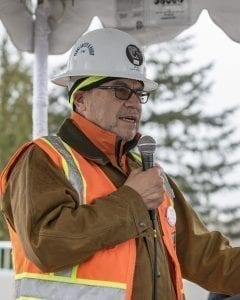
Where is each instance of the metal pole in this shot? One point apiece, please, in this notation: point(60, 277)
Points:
point(40, 71)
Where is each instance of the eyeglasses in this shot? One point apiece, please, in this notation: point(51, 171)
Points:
point(125, 93)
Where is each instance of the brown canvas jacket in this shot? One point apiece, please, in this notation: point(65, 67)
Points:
point(41, 205)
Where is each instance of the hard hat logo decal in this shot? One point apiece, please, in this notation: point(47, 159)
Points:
point(83, 48)
point(134, 55)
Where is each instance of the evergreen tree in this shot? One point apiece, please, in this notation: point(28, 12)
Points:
point(198, 149)
point(15, 101)
point(16, 106)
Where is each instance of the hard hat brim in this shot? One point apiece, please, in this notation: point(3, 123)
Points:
point(64, 79)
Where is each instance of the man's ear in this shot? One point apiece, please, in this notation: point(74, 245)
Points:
point(78, 100)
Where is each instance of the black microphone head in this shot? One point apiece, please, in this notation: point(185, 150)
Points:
point(146, 145)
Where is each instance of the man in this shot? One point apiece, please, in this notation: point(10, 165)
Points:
point(77, 204)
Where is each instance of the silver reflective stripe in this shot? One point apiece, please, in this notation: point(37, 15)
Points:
point(74, 175)
point(66, 273)
point(52, 290)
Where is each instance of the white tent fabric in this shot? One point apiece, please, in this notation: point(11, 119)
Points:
point(47, 27)
point(151, 21)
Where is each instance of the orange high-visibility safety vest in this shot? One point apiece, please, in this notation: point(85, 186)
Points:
point(102, 276)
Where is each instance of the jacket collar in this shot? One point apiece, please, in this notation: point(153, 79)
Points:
point(81, 134)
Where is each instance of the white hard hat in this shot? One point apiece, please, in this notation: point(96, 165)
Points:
point(105, 52)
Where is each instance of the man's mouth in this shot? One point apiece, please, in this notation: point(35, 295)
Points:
point(129, 119)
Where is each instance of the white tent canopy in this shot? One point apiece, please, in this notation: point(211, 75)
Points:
point(151, 21)
point(47, 27)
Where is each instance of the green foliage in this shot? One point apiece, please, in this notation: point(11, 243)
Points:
point(198, 148)
point(15, 99)
point(16, 107)
point(3, 230)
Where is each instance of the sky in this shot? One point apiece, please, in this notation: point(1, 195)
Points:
point(211, 45)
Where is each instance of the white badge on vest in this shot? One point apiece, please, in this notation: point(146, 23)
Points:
point(171, 216)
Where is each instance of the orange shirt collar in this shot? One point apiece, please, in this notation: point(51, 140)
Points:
point(106, 141)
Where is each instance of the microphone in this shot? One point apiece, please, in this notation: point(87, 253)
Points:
point(147, 146)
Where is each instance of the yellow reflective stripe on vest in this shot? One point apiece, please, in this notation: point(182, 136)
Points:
point(53, 278)
point(36, 286)
point(72, 172)
point(28, 298)
point(136, 156)
point(65, 284)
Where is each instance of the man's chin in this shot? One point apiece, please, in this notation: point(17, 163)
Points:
point(127, 137)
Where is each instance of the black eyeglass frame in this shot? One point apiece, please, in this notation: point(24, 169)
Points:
point(137, 92)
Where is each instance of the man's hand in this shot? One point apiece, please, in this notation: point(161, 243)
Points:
point(149, 184)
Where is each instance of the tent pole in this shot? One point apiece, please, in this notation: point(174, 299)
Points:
point(40, 71)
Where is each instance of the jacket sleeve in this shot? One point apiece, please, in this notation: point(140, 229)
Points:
point(205, 257)
point(42, 207)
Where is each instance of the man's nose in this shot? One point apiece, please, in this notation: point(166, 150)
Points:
point(134, 101)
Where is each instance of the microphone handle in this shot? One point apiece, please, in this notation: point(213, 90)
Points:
point(147, 163)
point(152, 213)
